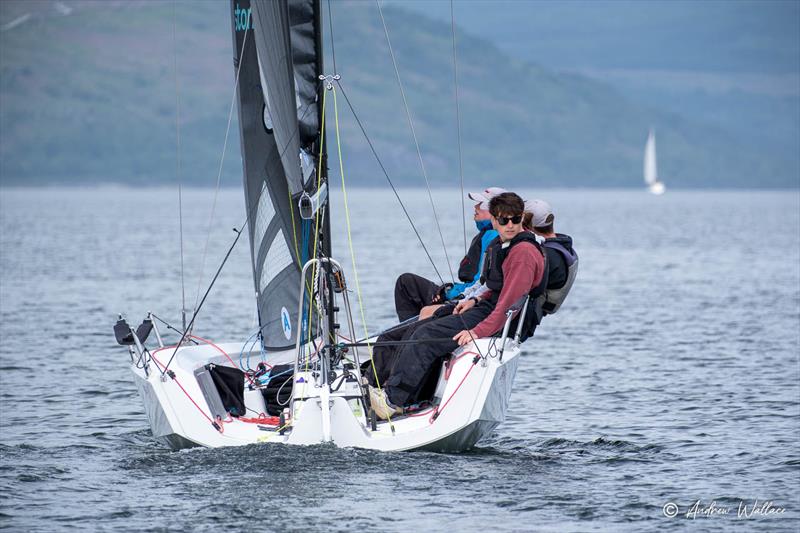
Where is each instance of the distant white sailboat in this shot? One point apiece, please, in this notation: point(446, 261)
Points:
point(650, 166)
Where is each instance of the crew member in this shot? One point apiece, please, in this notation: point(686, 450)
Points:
point(413, 292)
point(512, 270)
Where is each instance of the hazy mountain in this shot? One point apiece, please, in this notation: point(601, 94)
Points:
point(88, 94)
point(731, 65)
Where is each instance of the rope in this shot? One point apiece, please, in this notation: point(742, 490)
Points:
point(438, 411)
point(389, 329)
point(471, 336)
point(178, 156)
point(416, 142)
point(251, 340)
point(347, 223)
point(350, 244)
point(262, 420)
point(317, 214)
point(219, 423)
point(221, 161)
point(223, 352)
point(458, 124)
point(396, 343)
point(178, 383)
point(388, 179)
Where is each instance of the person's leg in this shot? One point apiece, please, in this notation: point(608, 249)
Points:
point(429, 311)
point(445, 309)
point(414, 361)
point(385, 356)
point(412, 293)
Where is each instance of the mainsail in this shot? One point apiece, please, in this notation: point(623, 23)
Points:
point(650, 167)
point(278, 44)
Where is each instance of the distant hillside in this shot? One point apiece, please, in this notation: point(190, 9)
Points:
point(731, 65)
point(88, 95)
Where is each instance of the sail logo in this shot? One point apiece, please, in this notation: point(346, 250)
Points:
point(242, 18)
point(286, 323)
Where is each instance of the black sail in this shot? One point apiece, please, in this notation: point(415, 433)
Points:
point(279, 129)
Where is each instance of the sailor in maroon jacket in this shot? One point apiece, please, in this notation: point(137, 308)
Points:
point(517, 268)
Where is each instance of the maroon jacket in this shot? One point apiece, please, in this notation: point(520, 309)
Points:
point(522, 271)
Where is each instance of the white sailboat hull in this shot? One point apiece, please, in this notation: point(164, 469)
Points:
point(657, 188)
point(472, 401)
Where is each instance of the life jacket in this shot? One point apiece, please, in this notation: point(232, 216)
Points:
point(554, 297)
point(469, 265)
point(496, 253)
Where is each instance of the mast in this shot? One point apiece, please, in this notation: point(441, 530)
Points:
point(326, 214)
point(326, 219)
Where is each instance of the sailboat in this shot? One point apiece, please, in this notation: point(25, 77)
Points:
point(650, 167)
point(299, 381)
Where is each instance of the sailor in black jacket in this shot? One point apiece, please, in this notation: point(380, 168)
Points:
point(562, 260)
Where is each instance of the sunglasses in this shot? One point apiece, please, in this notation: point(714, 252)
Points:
point(505, 220)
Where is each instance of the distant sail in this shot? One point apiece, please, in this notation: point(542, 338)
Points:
point(278, 125)
point(651, 166)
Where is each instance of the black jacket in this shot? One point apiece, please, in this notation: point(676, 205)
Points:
point(556, 264)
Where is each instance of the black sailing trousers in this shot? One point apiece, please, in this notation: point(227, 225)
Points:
point(411, 294)
point(414, 361)
point(385, 356)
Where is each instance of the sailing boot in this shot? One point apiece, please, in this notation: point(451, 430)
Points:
point(381, 405)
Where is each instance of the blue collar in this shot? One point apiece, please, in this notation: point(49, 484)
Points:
point(483, 224)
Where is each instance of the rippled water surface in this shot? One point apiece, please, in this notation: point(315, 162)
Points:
point(670, 375)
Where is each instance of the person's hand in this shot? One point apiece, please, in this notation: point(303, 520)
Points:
point(441, 293)
point(463, 306)
point(464, 337)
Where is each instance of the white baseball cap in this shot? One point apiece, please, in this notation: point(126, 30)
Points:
point(484, 196)
point(541, 211)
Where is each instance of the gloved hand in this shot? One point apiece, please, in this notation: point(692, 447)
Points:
point(441, 293)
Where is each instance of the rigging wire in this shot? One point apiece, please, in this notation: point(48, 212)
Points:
point(318, 213)
point(458, 124)
point(221, 161)
point(178, 157)
point(416, 142)
point(372, 147)
point(347, 221)
point(186, 331)
point(330, 25)
point(350, 243)
point(388, 179)
point(200, 305)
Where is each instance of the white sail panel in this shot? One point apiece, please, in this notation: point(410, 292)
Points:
point(650, 166)
point(264, 215)
point(278, 258)
point(267, 114)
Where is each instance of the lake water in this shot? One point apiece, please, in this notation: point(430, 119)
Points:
point(671, 375)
